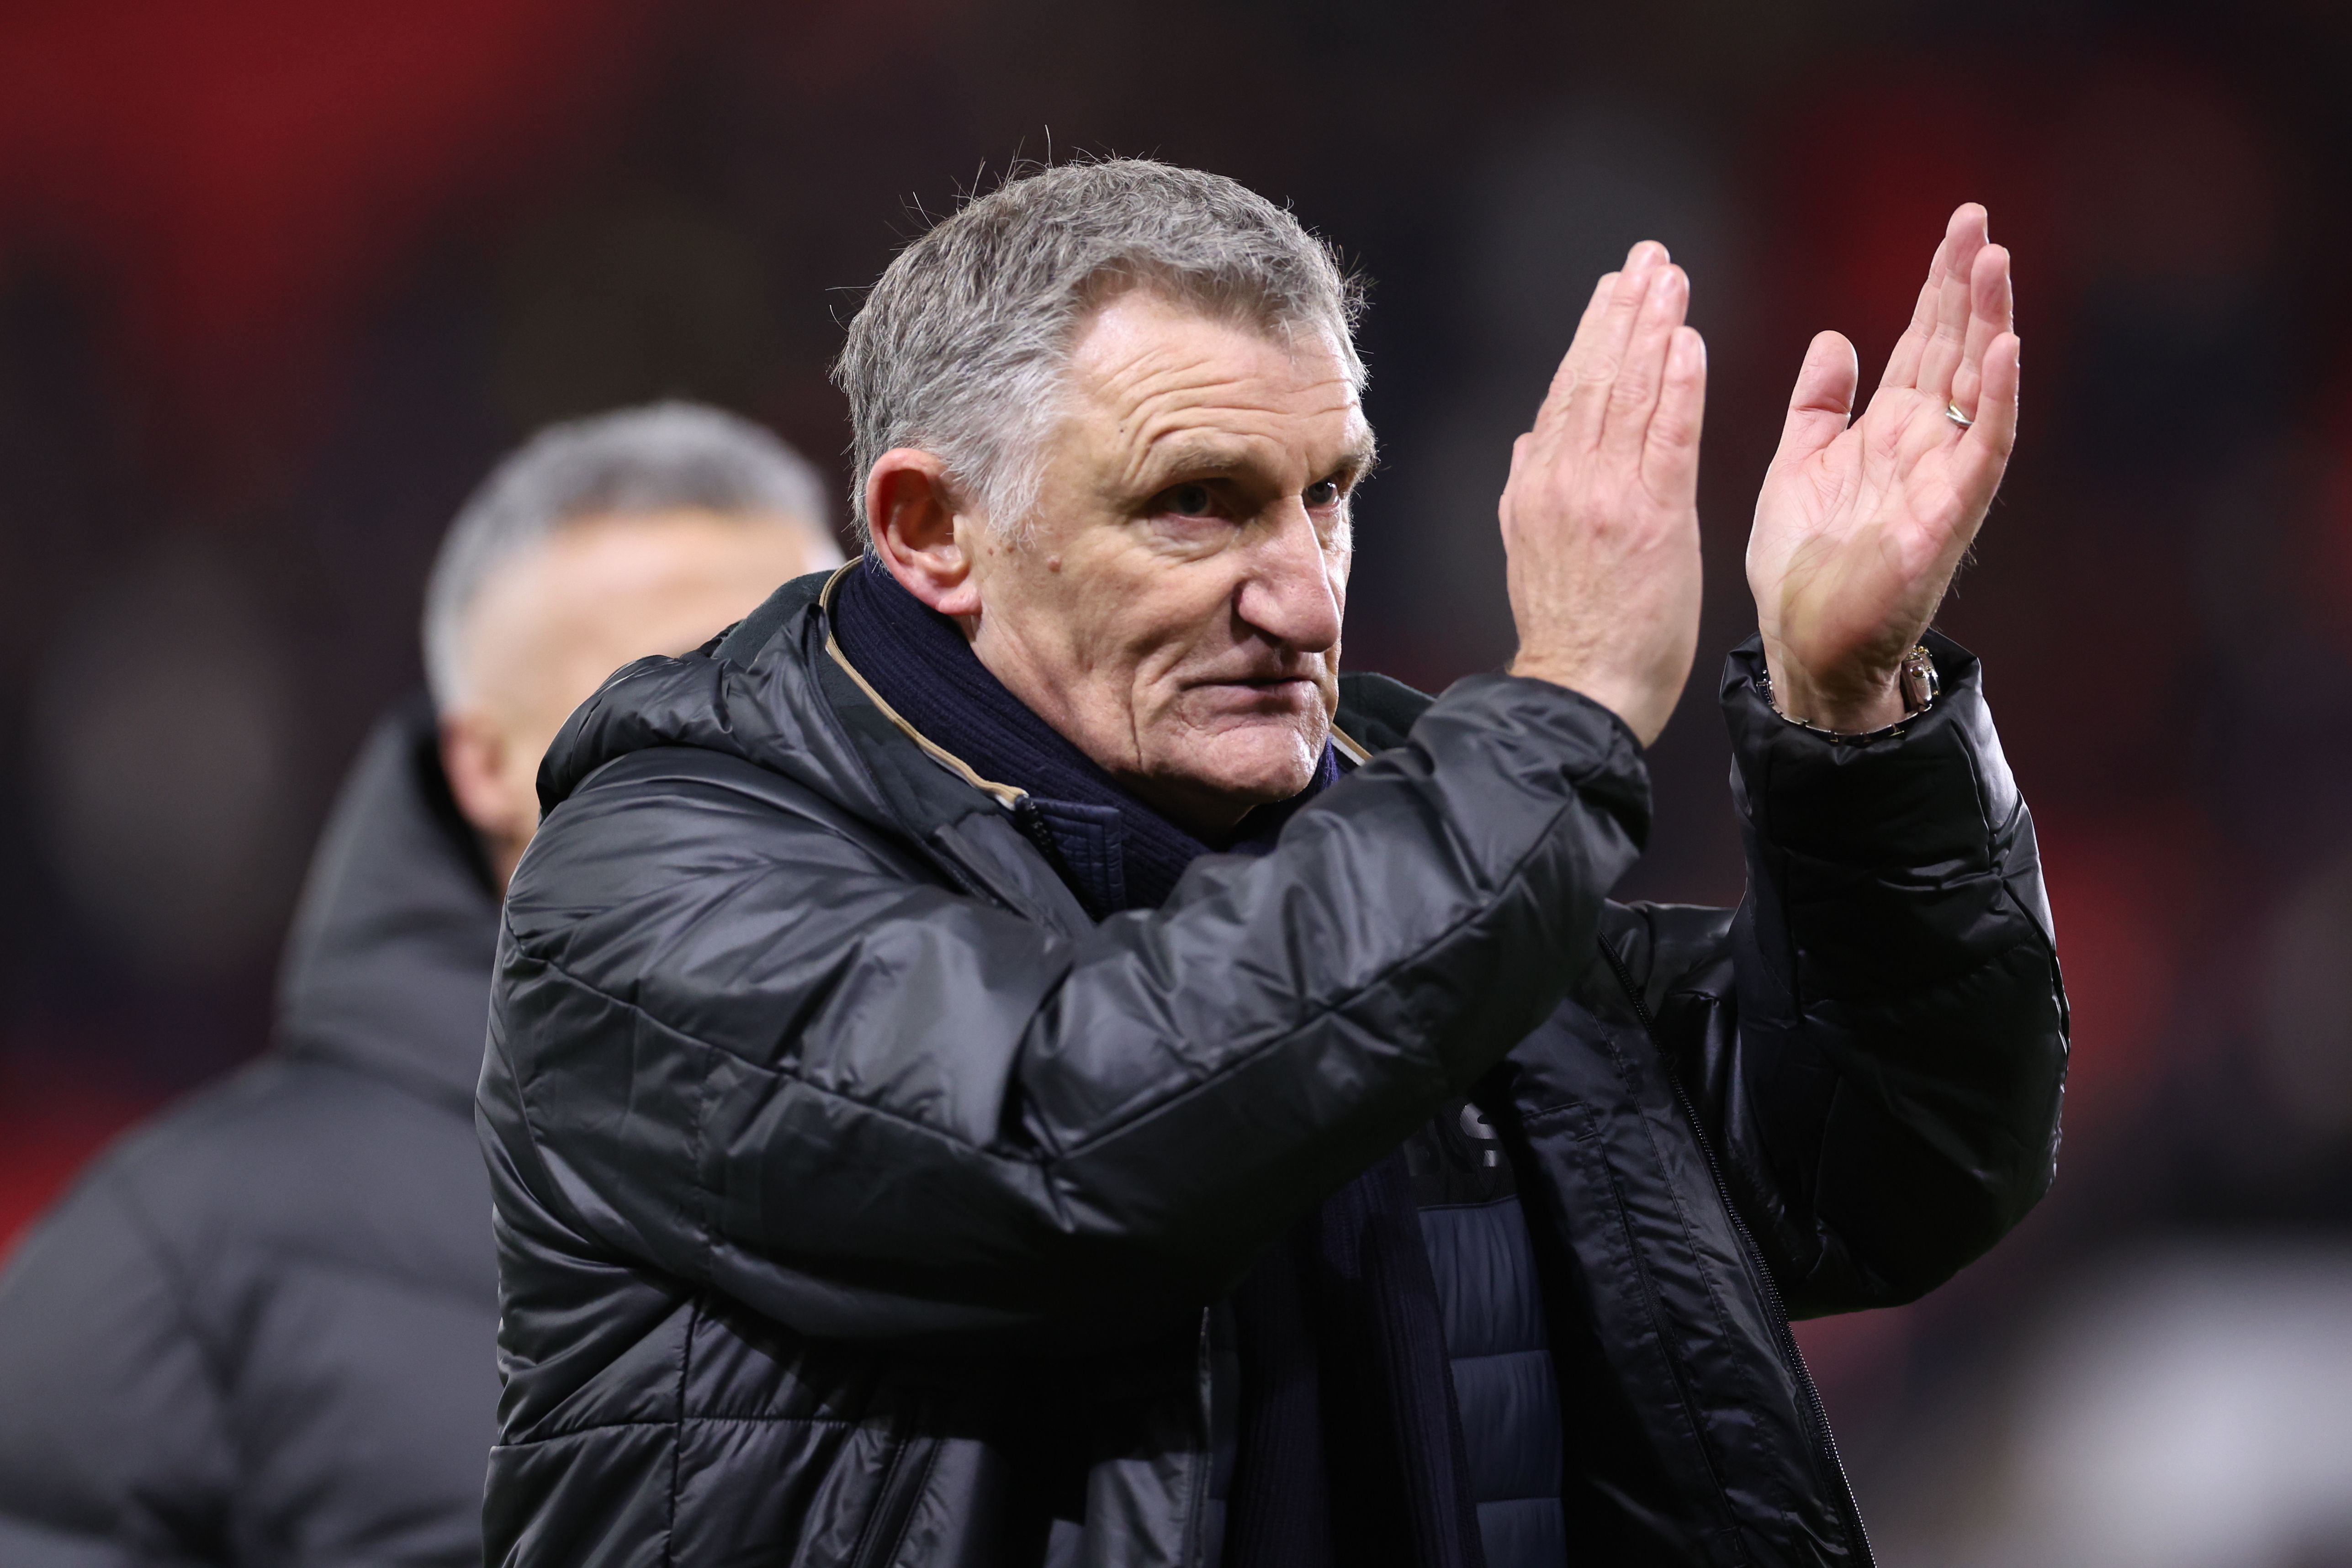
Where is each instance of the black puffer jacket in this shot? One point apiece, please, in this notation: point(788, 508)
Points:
point(850, 1179)
point(260, 1329)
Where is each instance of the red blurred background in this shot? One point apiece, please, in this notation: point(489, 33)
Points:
point(278, 281)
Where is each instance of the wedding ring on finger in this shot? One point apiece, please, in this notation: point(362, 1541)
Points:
point(1952, 411)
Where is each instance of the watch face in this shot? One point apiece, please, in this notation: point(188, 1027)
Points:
point(1919, 683)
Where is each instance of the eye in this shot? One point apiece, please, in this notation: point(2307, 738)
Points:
point(1188, 500)
point(1322, 493)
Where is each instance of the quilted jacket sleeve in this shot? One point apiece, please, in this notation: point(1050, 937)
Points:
point(1875, 1042)
point(745, 1040)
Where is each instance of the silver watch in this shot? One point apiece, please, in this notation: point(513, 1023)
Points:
point(1920, 684)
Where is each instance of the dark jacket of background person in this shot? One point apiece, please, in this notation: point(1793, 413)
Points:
point(260, 1329)
point(853, 1186)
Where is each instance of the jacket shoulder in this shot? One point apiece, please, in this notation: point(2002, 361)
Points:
point(292, 1164)
point(662, 822)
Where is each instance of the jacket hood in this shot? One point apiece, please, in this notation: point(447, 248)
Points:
point(387, 969)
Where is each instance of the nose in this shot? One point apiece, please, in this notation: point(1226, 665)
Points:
point(1296, 586)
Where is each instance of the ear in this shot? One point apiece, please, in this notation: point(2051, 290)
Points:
point(470, 759)
point(911, 513)
point(474, 759)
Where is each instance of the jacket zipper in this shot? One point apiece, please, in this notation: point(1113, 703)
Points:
point(1785, 1336)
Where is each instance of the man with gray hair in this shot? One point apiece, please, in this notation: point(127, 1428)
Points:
point(260, 1329)
point(1010, 1057)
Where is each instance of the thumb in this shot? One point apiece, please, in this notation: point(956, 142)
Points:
point(1822, 402)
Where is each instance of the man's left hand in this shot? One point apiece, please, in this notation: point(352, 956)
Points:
point(1860, 527)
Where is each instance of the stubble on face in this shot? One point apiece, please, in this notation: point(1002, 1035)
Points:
point(1174, 605)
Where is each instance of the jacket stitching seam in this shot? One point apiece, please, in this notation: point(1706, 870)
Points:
point(316, 1261)
point(793, 809)
point(1977, 788)
point(774, 1069)
point(858, 1556)
point(2034, 940)
point(668, 1423)
point(1646, 1289)
point(677, 1438)
point(552, 1200)
point(923, 1486)
point(1699, 1262)
point(211, 1354)
point(696, 1148)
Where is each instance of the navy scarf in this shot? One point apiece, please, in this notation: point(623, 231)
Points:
point(1349, 1449)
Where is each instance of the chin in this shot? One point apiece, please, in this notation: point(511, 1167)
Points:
point(1256, 764)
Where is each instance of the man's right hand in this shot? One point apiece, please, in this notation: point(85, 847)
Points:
point(1601, 515)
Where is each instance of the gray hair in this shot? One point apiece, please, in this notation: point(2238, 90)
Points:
point(665, 456)
point(960, 346)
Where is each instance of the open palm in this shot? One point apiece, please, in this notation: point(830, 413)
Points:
point(1860, 526)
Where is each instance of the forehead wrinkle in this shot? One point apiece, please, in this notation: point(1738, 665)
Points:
point(1214, 443)
point(1158, 404)
point(1157, 375)
point(1162, 370)
point(1207, 441)
point(1226, 437)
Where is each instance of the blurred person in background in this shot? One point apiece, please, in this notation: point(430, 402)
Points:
point(914, 1142)
point(261, 1329)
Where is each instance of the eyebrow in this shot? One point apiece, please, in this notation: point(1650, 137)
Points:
point(1197, 457)
point(1214, 457)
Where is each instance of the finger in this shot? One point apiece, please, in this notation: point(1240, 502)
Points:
point(1519, 461)
point(1991, 313)
point(1982, 455)
point(1903, 365)
point(1579, 348)
point(1590, 328)
point(1633, 396)
point(1941, 355)
point(1670, 450)
point(1588, 403)
point(1822, 402)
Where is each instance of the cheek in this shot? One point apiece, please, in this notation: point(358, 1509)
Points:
point(1184, 618)
point(1340, 560)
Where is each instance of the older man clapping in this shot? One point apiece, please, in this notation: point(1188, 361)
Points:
point(1011, 1057)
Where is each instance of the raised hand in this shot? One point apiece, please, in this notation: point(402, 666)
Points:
point(1859, 527)
point(1601, 515)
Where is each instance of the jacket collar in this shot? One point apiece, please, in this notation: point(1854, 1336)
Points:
point(1009, 795)
point(387, 967)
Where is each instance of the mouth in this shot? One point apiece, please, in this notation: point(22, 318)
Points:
point(1262, 695)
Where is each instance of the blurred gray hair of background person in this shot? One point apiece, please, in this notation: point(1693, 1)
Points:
point(598, 541)
point(961, 346)
point(634, 461)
